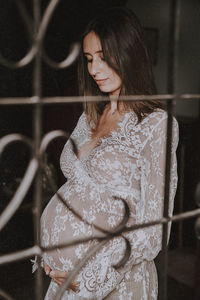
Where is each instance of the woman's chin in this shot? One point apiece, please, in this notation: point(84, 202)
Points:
point(104, 89)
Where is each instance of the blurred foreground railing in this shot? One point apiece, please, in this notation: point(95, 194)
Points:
point(36, 31)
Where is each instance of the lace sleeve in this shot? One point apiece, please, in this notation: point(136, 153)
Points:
point(146, 243)
point(99, 278)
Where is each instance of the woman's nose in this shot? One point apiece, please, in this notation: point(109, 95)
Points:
point(95, 67)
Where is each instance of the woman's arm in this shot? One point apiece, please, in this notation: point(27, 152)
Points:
point(146, 243)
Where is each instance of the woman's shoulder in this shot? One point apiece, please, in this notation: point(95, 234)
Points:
point(82, 118)
point(149, 121)
point(154, 123)
point(81, 127)
point(82, 121)
point(154, 118)
point(158, 118)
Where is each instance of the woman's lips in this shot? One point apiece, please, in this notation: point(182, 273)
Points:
point(100, 81)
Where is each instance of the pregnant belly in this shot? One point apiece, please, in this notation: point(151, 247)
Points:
point(59, 226)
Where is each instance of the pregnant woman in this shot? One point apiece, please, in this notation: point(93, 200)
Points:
point(121, 148)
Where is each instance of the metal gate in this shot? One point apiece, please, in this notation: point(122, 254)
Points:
point(39, 144)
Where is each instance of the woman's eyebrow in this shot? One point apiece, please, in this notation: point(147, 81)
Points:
point(87, 53)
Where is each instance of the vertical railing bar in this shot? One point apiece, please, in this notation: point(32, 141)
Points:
point(174, 35)
point(164, 256)
point(181, 194)
point(172, 81)
point(37, 114)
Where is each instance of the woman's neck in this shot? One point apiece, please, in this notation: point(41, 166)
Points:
point(113, 106)
point(114, 101)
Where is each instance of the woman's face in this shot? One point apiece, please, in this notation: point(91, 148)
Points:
point(105, 77)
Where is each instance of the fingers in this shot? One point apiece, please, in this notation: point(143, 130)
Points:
point(57, 273)
point(74, 286)
point(47, 269)
point(59, 277)
point(59, 282)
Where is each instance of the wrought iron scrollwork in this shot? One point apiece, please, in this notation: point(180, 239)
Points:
point(37, 41)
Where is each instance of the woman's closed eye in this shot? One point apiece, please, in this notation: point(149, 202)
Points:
point(90, 60)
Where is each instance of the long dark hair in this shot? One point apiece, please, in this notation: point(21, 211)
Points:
point(124, 49)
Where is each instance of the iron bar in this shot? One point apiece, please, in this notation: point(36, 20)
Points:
point(20, 193)
point(37, 128)
point(19, 255)
point(79, 99)
point(164, 253)
point(174, 31)
point(181, 193)
point(5, 295)
point(25, 184)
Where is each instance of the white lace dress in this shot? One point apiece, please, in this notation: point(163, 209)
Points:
point(129, 163)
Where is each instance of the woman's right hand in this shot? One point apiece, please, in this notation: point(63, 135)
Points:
point(59, 277)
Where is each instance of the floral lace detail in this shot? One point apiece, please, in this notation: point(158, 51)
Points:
point(128, 164)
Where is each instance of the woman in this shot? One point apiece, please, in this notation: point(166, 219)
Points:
point(120, 155)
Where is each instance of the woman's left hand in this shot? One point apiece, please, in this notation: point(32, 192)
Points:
point(59, 277)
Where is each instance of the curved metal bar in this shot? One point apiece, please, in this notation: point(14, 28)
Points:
point(17, 199)
point(69, 60)
point(74, 52)
point(46, 19)
point(25, 183)
point(126, 256)
point(109, 234)
point(49, 137)
point(37, 42)
point(22, 62)
point(5, 295)
point(10, 138)
point(118, 230)
point(26, 18)
point(42, 30)
point(31, 53)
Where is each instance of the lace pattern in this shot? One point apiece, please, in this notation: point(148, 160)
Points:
point(129, 163)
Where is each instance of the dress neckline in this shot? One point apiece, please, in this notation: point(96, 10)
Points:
point(113, 132)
